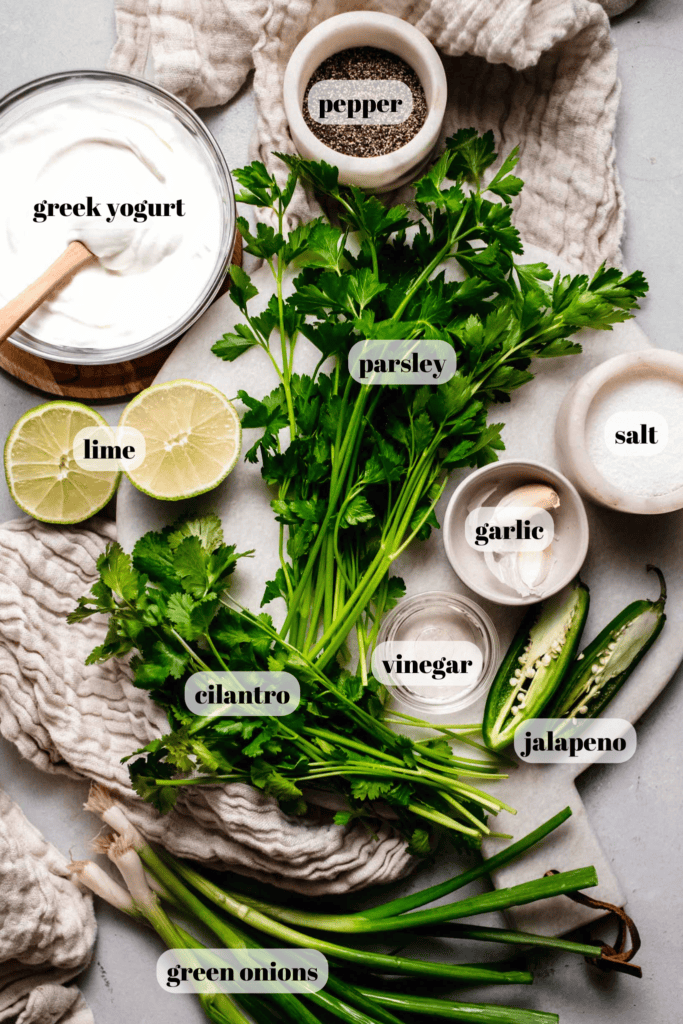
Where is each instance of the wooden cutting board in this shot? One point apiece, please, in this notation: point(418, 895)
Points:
point(93, 382)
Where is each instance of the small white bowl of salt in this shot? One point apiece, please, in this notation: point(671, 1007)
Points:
point(619, 433)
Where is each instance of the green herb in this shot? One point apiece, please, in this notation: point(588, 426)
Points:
point(365, 466)
point(358, 472)
point(167, 603)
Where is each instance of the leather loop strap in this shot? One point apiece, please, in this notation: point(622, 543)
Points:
point(617, 957)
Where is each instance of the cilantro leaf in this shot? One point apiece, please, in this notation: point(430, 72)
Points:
point(419, 845)
point(117, 573)
point(208, 530)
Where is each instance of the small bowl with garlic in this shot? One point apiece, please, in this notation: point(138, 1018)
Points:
point(516, 532)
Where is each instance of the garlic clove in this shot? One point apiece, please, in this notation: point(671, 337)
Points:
point(531, 496)
point(522, 571)
point(533, 566)
point(504, 568)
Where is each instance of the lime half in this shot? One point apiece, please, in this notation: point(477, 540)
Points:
point(192, 434)
point(42, 474)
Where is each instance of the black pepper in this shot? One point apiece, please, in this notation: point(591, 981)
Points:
point(367, 140)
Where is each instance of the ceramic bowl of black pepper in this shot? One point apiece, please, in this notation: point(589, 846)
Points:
point(366, 92)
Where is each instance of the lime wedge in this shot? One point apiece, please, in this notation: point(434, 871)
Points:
point(193, 437)
point(42, 475)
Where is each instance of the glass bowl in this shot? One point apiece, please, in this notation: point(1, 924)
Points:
point(439, 617)
point(38, 94)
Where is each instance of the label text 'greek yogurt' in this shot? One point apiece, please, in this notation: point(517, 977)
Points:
point(360, 101)
point(139, 212)
point(249, 694)
point(402, 361)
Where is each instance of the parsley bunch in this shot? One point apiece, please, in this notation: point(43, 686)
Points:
point(365, 466)
point(358, 472)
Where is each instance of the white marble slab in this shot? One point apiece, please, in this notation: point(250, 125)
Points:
point(620, 547)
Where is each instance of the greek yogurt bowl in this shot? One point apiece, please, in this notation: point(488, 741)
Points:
point(132, 172)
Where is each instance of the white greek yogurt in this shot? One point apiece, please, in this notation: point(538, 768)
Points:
point(126, 177)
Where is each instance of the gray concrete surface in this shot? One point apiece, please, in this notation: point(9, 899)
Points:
point(635, 807)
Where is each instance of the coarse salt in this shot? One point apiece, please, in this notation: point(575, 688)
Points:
point(659, 473)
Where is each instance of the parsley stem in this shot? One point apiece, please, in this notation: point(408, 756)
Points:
point(328, 565)
point(362, 655)
point(441, 255)
point(315, 612)
point(286, 368)
point(335, 494)
point(373, 575)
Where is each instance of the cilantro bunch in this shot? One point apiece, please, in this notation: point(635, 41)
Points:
point(169, 603)
point(358, 472)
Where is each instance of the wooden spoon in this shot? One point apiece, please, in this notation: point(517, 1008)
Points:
point(74, 257)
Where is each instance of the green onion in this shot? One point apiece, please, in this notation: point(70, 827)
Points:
point(473, 931)
point(480, 1013)
point(499, 899)
point(350, 922)
point(437, 892)
point(150, 876)
point(462, 973)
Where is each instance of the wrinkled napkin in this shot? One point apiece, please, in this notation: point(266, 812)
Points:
point(541, 73)
point(66, 717)
point(47, 927)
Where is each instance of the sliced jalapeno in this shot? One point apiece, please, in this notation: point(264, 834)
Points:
point(601, 670)
point(534, 666)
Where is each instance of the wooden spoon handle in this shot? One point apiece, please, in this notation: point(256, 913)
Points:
point(18, 309)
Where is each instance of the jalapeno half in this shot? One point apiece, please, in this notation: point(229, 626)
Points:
point(601, 670)
point(534, 666)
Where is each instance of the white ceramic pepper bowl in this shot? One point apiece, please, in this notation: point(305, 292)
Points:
point(570, 430)
point(386, 32)
point(570, 544)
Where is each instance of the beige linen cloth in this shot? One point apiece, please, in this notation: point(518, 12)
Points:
point(47, 927)
point(80, 721)
point(542, 74)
